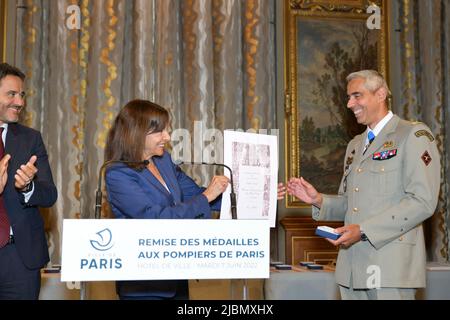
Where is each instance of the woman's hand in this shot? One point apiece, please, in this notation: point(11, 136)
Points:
point(281, 191)
point(216, 187)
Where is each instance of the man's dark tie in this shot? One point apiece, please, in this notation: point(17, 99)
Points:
point(4, 221)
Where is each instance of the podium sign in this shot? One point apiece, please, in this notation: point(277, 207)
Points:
point(153, 249)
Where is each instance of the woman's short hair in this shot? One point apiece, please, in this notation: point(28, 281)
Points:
point(126, 138)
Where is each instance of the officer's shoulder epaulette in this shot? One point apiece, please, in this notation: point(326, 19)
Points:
point(426, 133)
point(420, 129)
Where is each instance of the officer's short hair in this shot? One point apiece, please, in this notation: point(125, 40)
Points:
point(373, 81)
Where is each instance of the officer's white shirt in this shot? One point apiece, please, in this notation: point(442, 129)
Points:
point(380, 125)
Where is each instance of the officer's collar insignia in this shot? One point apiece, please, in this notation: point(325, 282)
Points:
point(349, 160)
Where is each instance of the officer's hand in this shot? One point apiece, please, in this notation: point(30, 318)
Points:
point(305, 191)
point(350, 234)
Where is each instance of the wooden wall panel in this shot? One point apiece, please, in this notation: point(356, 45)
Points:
point(303, 245)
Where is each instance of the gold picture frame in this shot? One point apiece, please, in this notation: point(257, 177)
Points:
point(324, 41)
point(2, 30)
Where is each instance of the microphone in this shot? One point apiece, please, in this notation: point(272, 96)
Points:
point(98, 193)
point(232, 194)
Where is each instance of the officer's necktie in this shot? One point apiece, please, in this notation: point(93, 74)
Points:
point(370, 137)
point(4, 221)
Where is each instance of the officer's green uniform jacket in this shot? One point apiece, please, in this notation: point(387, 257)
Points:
point(389, 191)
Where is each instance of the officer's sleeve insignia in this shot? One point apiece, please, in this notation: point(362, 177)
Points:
point(425, 133)
point(426, 158)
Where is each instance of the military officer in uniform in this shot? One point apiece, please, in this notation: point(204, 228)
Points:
point(390, 186)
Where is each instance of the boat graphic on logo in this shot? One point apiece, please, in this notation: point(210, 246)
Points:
point(104, 240)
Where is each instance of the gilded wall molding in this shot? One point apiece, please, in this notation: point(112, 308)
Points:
point(332, 6)
point(332, 13)
point(3, 30)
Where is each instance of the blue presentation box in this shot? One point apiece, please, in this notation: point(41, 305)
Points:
point(327, 232)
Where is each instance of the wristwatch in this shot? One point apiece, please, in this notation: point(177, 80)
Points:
point(27, 188)
point(363, 236)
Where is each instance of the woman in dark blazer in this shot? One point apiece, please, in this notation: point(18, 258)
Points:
point(158, 190)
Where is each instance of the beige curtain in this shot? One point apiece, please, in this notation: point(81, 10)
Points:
point(210, 62)
point(421, 86)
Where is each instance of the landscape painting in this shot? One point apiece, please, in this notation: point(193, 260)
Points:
point(326, 125)
point(324, 42)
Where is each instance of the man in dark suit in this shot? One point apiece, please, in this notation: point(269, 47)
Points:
point(26, 183)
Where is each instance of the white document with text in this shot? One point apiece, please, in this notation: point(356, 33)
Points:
point(254, 161)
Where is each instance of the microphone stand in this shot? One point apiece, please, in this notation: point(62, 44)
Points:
point(98, 193)
point(234, 217)
point(232, 193)
point(98, 202)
